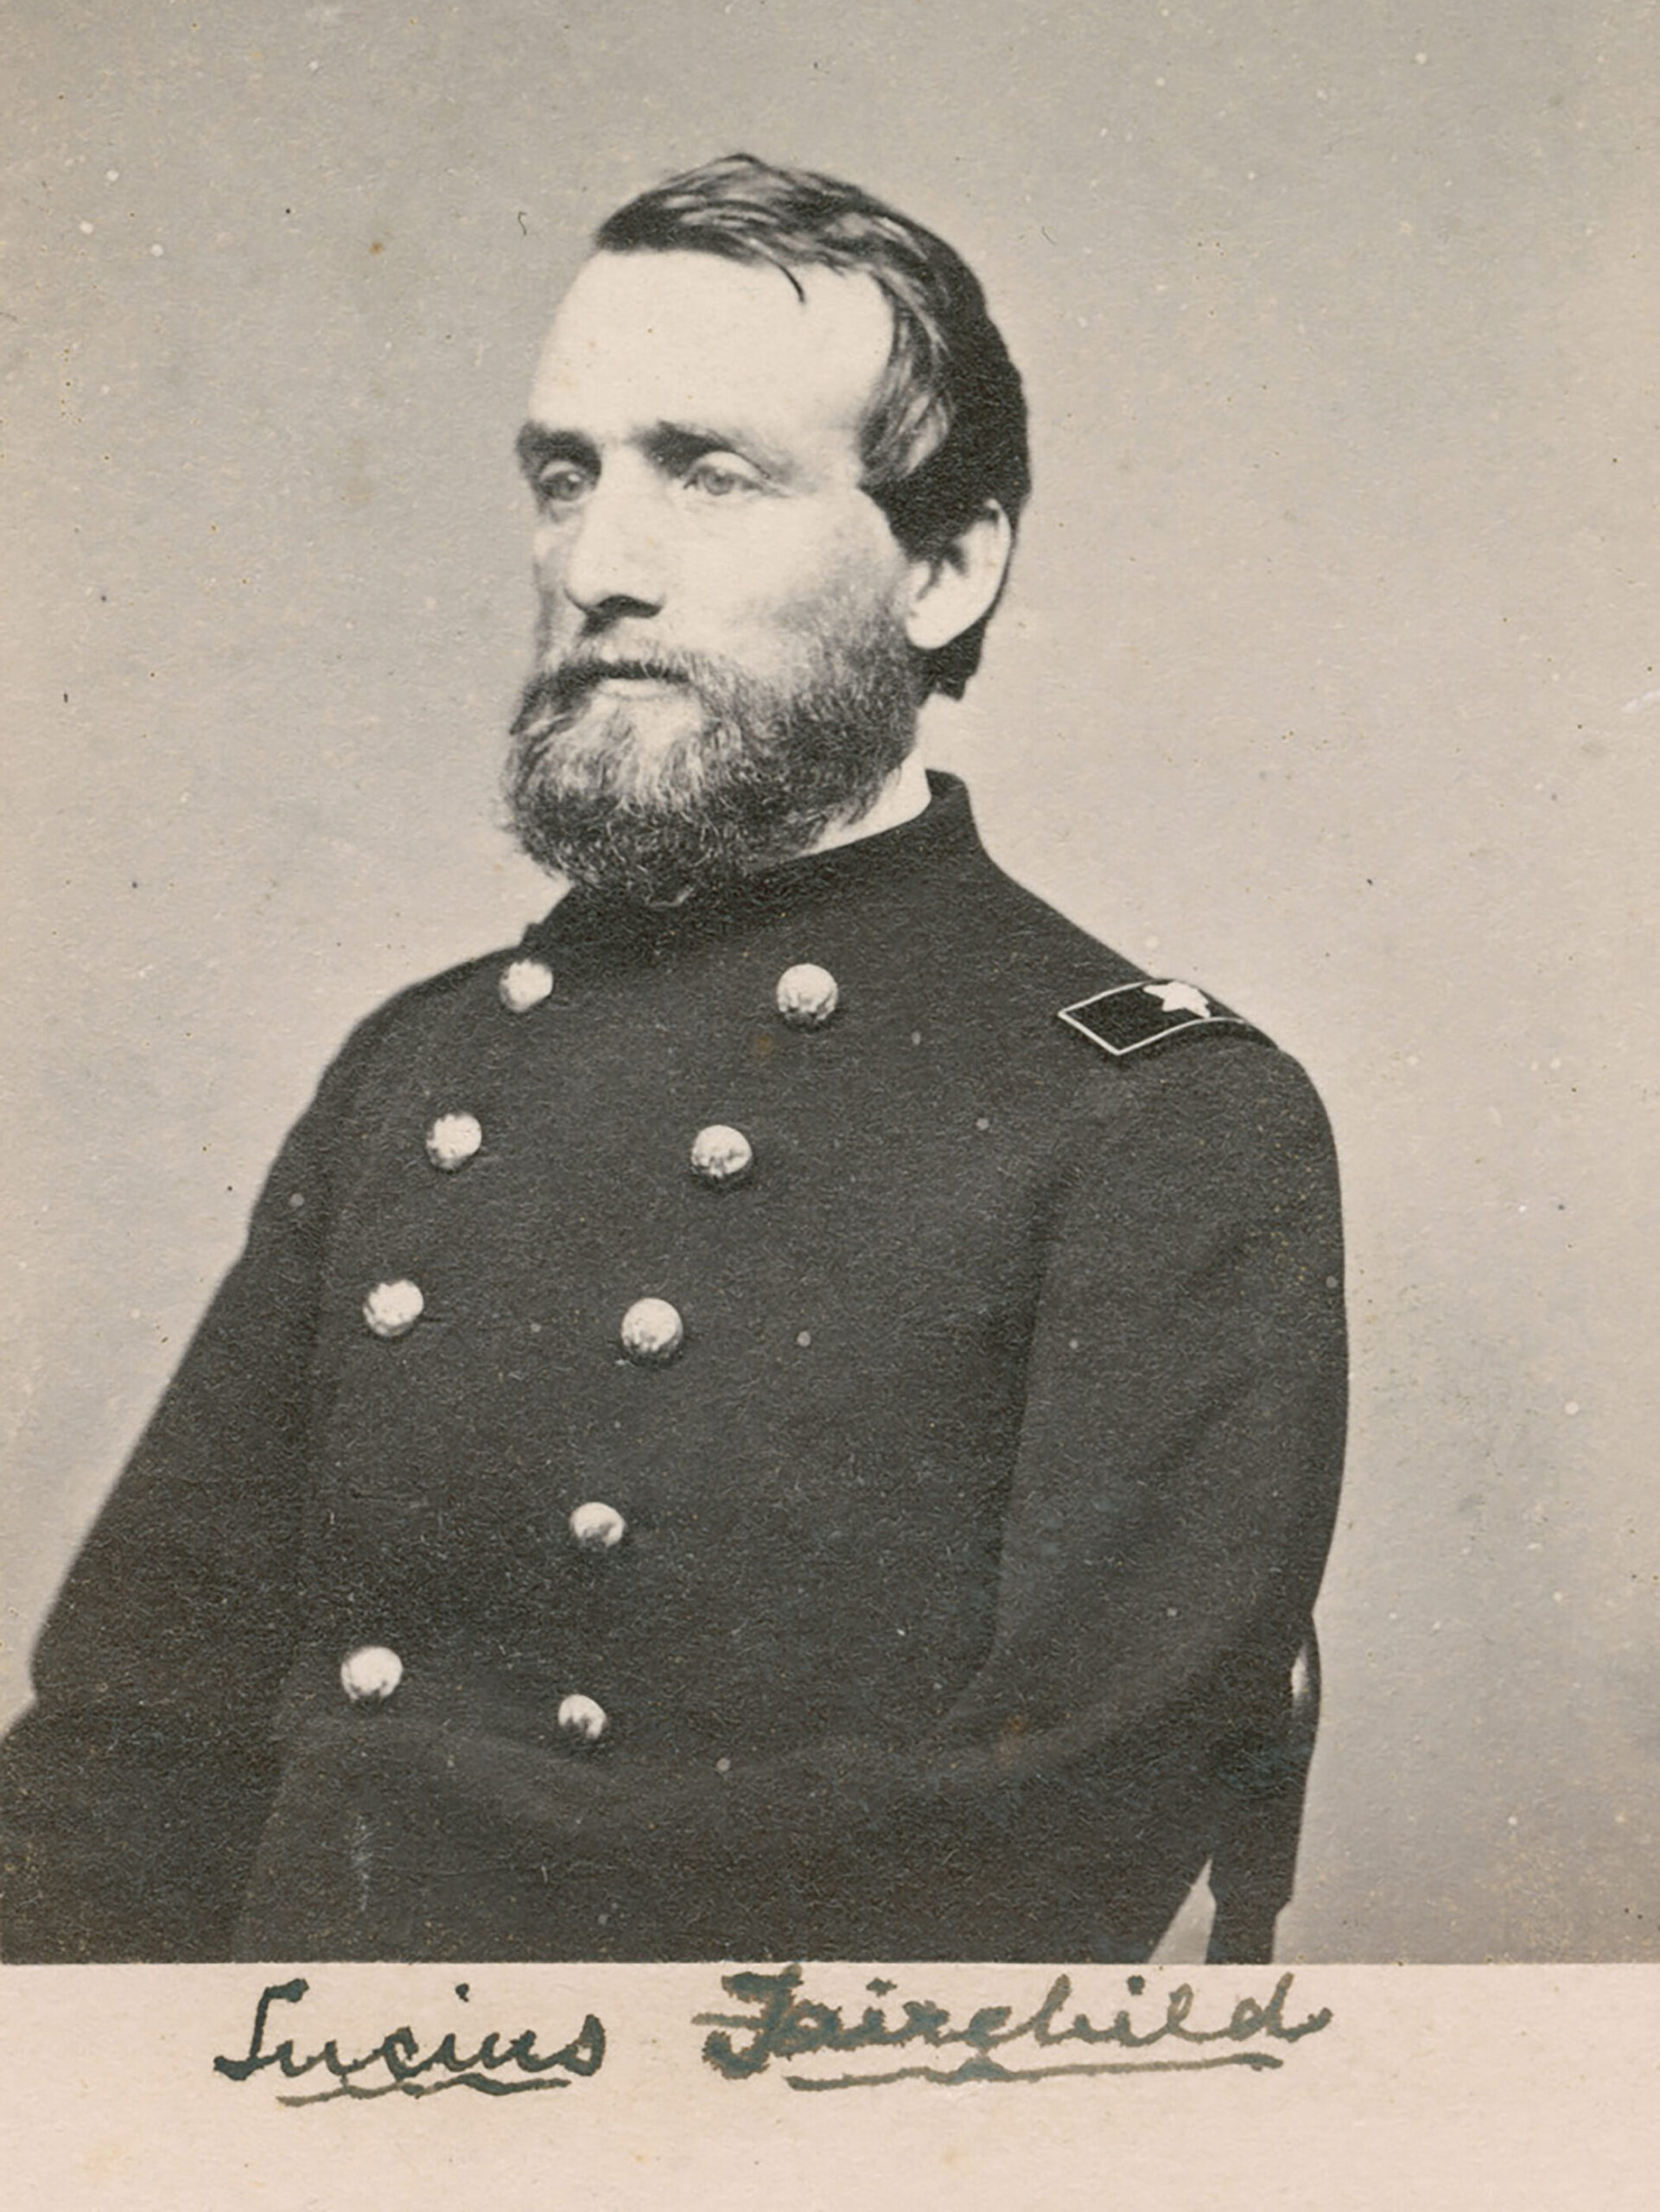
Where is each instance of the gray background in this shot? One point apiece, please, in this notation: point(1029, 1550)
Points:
point(1328, 678)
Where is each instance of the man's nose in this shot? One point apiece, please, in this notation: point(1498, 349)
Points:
point(611, 558)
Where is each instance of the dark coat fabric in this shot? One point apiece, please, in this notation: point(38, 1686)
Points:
point(984, 1502)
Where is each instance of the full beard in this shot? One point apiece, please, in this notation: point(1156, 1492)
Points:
point(719, 776)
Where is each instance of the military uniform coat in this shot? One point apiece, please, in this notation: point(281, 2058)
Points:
point(982, 1500)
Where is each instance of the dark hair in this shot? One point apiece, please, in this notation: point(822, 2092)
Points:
point(946, 429)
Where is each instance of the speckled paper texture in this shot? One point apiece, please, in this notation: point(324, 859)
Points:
point(1327, 679)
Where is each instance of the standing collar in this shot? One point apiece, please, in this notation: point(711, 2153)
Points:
point(941, 835)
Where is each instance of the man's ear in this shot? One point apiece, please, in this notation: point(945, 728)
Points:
point(949, 591)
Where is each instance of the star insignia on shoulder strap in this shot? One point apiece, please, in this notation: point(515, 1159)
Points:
point(1180, 998)
point(1131, 1017)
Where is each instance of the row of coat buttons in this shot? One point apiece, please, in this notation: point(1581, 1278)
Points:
point(651, 1332)
point(807, 994)
point(719, 1156)
point(371, 1673)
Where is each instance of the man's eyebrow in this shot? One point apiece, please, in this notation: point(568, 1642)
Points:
point(537, 443)
point(668, 446)
point(674, 445)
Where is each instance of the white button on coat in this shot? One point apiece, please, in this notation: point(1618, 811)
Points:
point(807, 996)
point(371, 1674)
point(721, 1155)
point(453, 1140)
point(582, 1717)
point(652, 1331)
point(598, 1528)
point(525, 983)
point(391, 1309)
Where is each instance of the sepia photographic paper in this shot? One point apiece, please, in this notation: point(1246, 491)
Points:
point(1321, 686)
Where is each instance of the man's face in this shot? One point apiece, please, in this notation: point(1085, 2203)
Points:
point(723, 668)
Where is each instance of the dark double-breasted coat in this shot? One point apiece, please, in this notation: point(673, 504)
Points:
point(548, 1549)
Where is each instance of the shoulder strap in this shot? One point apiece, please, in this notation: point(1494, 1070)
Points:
point(1133, 1016)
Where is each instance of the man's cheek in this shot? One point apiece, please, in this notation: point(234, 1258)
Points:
point(783, 638)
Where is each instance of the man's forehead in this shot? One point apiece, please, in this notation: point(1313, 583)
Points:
point(649, 337)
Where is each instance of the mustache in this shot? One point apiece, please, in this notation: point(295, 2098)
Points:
point(553, 694)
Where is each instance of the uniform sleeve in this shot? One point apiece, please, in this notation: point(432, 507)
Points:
point(1177, 1473)
point(132, 1791)
point(1168, 1516)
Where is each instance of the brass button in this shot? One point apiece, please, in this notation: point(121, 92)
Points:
point(598, 1528)
point(807, 996)
point(371, 1674)
point(453, 1140)
point(582, 1719)
point(391, 1309)
point(651, 1331)
point(721, 1155)
point(525, 983)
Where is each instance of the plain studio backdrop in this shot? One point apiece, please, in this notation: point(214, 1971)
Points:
point(1327, 678)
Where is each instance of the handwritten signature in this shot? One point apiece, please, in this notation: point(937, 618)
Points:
point(782, 2024)
point(498, 2069)
point(785, 2026)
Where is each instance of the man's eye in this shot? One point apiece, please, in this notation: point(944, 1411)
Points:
point(717, 481)
point(560, 487)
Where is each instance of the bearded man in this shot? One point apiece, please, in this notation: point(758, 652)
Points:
point(798, 1411)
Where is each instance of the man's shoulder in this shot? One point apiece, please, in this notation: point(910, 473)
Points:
point(433, 998)
point(1096, 1008)
point(441, 1008)
point(1141, 1080)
